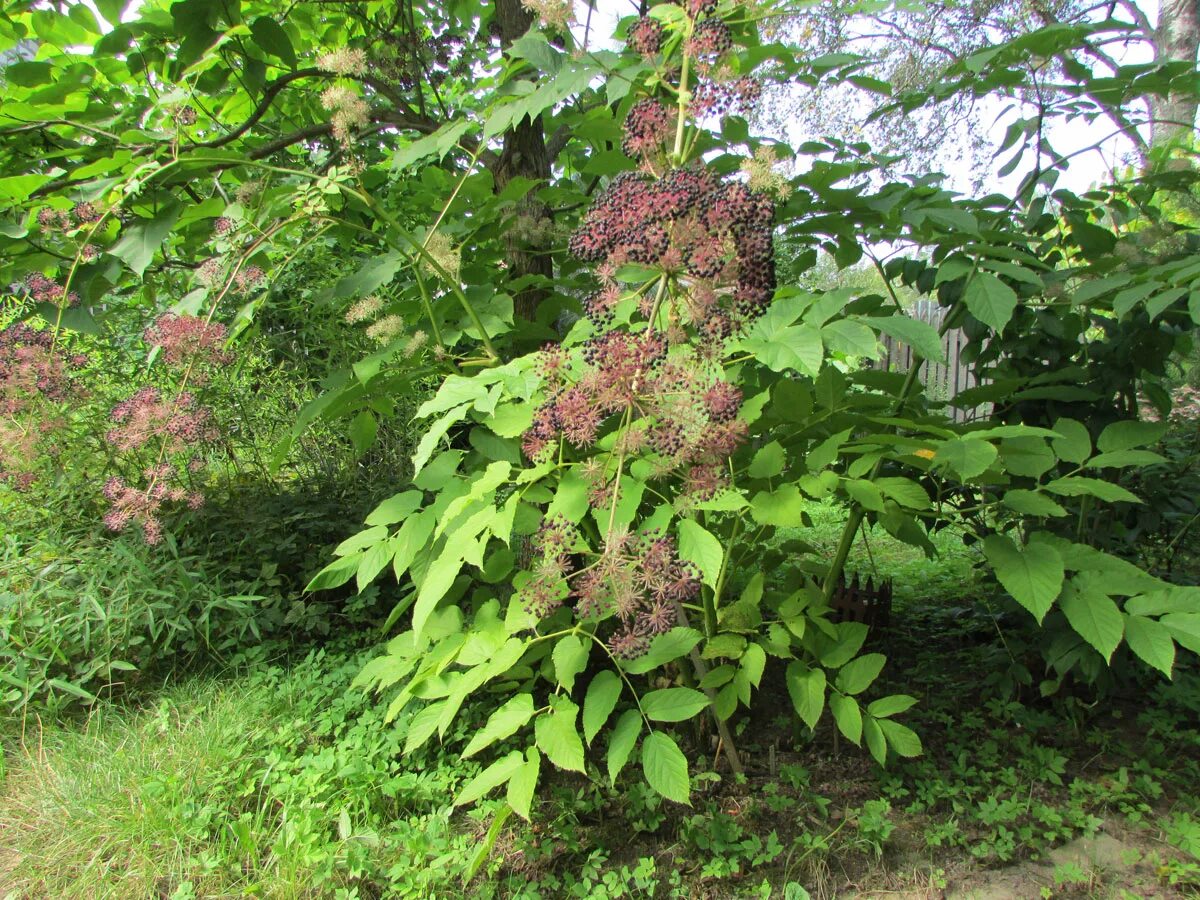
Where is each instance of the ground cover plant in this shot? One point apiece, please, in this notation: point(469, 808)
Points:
point(529, 369)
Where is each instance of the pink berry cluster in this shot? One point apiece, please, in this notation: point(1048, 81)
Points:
point(52, 220)
point(171, 427)
point(639, 579)
point(714, 233)
point(188, 338)
point(36, 379)
point(41, 289)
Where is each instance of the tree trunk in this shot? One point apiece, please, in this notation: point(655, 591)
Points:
point(1176, 39)
point(524, 156)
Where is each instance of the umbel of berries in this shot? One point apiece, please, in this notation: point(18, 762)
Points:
point(649, 385)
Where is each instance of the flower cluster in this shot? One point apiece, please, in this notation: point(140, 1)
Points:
point(716, 233)
point(553, 15)
point(52, 220)
point(175, 423)
point(639, 579)
point(344, 61)
point(129, 505)
point(645, 36)
point(36, 378)
point(43, 290)
point(184, 338)
point(349, 112)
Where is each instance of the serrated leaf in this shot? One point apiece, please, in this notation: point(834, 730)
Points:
point(699, 546)
point(504, 722)
point(1033, 574)
point(675, 704)
point(665, 767)
point(848, 716)
point(967, 458)
point(1079, 486)
point(523, 783)
point(395, 508)
point(602, 695)
point(664, 649)
point(1095, 618)
point(754, 661)
point(570, 658)
point(859, 674)
point(890, 706)
point(490, 778)
point(621, 742)
point(557, 738)
point(921, 336)
point(768, 461)
point(335, 574)
point(437, 581)
point(422, 726)
point(875, 741)
point(783, 507)
point(1031, 503)
point(1151, 640)
point(900, 738)
point(990, 300)
point(806, 687)
point(1128, 434)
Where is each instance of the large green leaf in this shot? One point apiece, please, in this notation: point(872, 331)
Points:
point(1151, 640)
point(599, 702)
point(1032, 574)
point(807, 689)
point(697, 545)
point(139, 242)
point(556, 735)
point(666, 768)
point(502, 723)
point(990, 300)
point(675, 704)
point(621, 742)
point(570, 658)
point(1095, 618)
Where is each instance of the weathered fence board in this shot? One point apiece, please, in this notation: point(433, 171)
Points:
point(942, 382)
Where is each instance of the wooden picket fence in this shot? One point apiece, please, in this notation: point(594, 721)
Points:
point(942, 382)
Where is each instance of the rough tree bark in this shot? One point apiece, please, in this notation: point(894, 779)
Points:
point(1177, 38)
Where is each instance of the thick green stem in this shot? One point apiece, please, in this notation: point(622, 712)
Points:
point(858, 513)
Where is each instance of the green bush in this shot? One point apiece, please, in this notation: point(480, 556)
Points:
point(82, 617)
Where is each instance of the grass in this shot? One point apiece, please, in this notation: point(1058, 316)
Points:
point(284, 781)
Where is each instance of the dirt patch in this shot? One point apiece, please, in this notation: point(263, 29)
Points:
point(1106, 865)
